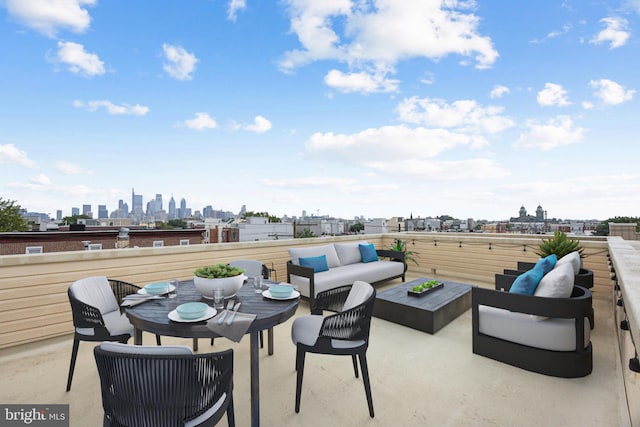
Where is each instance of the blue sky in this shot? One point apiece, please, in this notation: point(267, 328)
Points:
point(376, 108)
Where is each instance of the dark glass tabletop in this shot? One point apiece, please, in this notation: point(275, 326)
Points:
point(152, 316)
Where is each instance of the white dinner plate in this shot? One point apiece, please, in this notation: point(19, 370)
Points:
point(173, 315)
point(295, 294)
point(143, 291)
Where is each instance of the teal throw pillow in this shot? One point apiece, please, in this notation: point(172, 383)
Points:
point(318, 263)
point(527, 282)
point(368, 252)
point(547, 263)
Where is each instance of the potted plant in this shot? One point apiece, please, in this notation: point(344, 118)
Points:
point(561, 245)
point(401, 246)
point(224, 276)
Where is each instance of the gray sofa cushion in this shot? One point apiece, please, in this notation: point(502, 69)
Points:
point(328, 250)
point(349, 253)
point(370, 272)
point(521, 328)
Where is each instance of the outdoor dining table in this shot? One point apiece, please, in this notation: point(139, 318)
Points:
point(152, 317)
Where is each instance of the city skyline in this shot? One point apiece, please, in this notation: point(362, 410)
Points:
point(468, 108)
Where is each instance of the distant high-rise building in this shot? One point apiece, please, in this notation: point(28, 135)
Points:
point(86, 210)
point(75, 211)
point(172, 208)
point(102, 211)
point(123, 207)
point(158, 206)
point(59, 214)
point(183, 208)
point(207, 211)
point(243, 210)
point(136, 204)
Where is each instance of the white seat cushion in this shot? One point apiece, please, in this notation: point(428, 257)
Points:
point(521, 328)
point(117, 347)
point(117, 324)
point(306, 329)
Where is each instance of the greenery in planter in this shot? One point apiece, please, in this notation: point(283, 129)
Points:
point(560, 245)
point(401, 246)
point(218, 271)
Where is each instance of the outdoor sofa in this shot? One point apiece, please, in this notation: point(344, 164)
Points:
point(319, 268)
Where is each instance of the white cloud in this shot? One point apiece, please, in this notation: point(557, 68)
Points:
point(464, 115)
point(113, 109)
point(557, 33)
point(260, 125)
point(9, 154)
point(48, 16)
point(78, 60)
point(616, 32)
point(41, 180)
point(202, 121)
point(361, 82)
point(378, 37)
point(234, 7)
point(68, 168)
point(610, 92)
point(498, 91)
point(633, 5)
point(587, 105)
point(402, 151)
point(181, 64)
point(554, 133)
point(553, 94)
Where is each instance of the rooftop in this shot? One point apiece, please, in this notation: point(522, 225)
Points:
point(417, 378)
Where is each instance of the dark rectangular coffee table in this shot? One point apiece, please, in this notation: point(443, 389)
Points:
point(428, 313)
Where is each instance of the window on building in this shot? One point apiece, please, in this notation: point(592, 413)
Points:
point(33, 250)
point(158, 243)
point(184, 242)
point(94, 247)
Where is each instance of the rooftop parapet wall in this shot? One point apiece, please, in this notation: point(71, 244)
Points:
point(33, 288)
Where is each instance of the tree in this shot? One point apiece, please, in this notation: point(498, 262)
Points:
point(177, 223)
point(271, 218)
point(306, 232)
point(10, 218)
point(356, 228)
point(73, 219)
point(602, 229)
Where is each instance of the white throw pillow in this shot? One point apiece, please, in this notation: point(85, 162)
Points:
point(572, 258)
point(314, 251)
point(558, 283)
point(349, 253)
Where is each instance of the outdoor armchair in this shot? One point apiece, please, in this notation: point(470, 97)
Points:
point(95, 306)
point(344, 333)
point(164, 386)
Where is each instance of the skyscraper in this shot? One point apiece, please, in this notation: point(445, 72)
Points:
point(172, 208)
point(86, 210)
point(102, 211)
point(183, 208)
point(136, 204)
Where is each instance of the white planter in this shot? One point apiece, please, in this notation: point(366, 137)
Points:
point(229, 285)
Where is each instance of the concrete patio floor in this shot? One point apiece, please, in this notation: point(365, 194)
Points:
point(417, 379)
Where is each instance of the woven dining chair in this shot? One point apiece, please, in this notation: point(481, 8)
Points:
point(344, 333)
point(95, 306)
point(254, 268)
point(164, 386)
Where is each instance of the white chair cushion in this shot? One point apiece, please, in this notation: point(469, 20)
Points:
point(328, 250)
point(251, 268)
point(306, 329)
point(550, 334)
point(96, 292)
point(167, 350)
point(572, 258)
point(117, 324)
point(358, 294)
point(349, 253)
